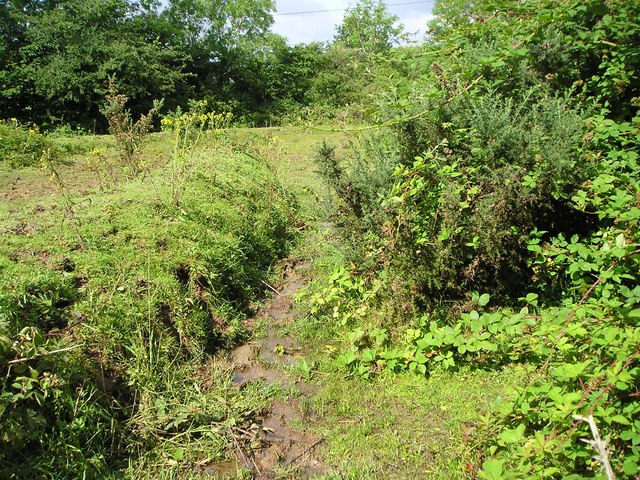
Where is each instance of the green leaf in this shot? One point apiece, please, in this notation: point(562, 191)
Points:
point(178, 454)
point(630, 466)
point(348, 358)
point(484, 299)
point(513, 435)
point(492, 470)
point(622, 420)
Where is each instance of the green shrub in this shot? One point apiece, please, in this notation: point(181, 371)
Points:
point(514, 221)
point(21, 146)
point(54, 418)
point(496, 170)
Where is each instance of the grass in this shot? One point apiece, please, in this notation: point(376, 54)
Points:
point(149, 291)
point(404, 426)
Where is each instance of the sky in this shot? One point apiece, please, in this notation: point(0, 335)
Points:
point(309, 27)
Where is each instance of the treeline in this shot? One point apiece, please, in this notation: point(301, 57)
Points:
point(57, 56)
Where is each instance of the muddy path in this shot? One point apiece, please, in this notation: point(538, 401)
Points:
point(279, 446)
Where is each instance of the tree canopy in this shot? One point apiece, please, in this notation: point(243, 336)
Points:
point(369, 26)
point(57, 55)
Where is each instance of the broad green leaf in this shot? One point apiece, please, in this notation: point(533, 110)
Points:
point(621, 420)
point(513, 435)
point(630, 466)
point(484, 299)
point(492, 470)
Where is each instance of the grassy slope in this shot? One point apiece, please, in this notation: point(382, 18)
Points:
point(149, 289)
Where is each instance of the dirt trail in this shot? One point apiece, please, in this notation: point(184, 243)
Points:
point(282, 448)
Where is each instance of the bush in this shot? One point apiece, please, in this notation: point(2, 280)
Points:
point(495, 170)
point(21, 146)
point(515, 214)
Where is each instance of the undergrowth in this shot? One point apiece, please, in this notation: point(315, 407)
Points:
point(492, 223)
point(22, 145)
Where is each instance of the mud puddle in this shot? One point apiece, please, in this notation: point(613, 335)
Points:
point(279, 443)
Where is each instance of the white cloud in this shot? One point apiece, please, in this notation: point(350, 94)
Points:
point(306, 28)
point(416, 25)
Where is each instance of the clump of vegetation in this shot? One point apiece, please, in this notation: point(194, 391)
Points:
point(129, 135)
point(507, 235)
point(187, 129)
point(488, 222)
point(106, 350)
point(22, 146)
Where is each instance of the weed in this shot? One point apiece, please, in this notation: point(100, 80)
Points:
point(188, 128)
point(129, 135)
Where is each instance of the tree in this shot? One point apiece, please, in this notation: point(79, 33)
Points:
point(68, 50)
point(226, 40)
point(56, 55)
point(369, 26)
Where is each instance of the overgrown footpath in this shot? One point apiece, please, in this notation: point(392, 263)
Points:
point(473, 303)
point(121, 296)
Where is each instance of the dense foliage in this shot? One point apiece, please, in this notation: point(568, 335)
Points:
point(369, 27)
point(494, 223)
point(57, 56)
point(489, 213)
point(20, 146)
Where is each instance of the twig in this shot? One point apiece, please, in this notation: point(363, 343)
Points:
point(308, 449)
point(599, 445)
point(273, 289)
point(52, 352)
point(245, 432)
point(239, 450)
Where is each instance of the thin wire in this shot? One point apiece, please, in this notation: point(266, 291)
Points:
point(343, 9)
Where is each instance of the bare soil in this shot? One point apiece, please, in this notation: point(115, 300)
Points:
point(280, 444)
